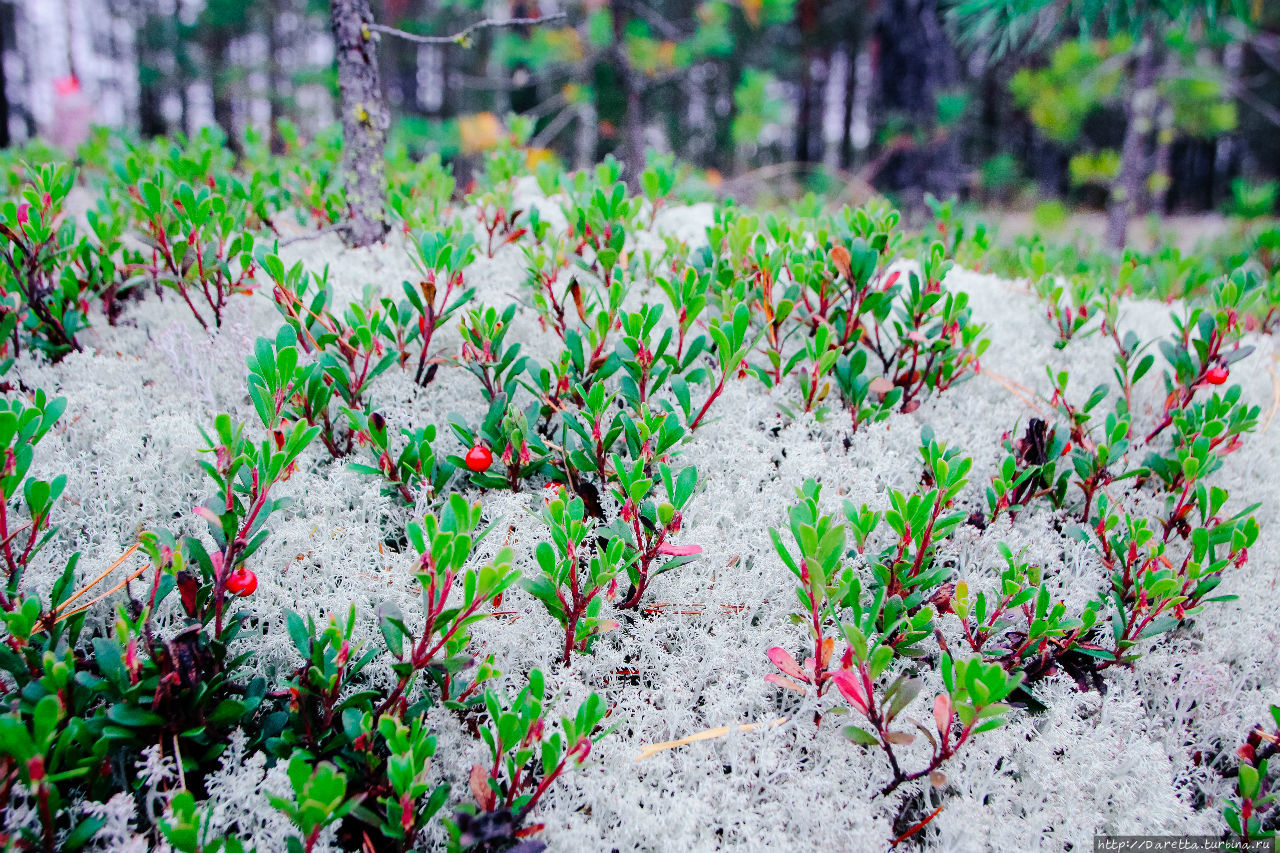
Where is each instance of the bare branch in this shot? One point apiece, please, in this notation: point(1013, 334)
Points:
point(313, 235)
point(557, 124)
point(669, 30)
point(463, 37)
point(1264, 109)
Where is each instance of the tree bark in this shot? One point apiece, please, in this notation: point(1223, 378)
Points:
point(915, 63)
point(1139, 114)
point(809, 113)
point(586, 140)
point(4, 95)
point(1162, 175)
point(632, 119)
point(223, 103)
point(365, 120)
point(275, 74)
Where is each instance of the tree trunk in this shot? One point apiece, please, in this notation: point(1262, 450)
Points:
point(223, 104)
point(1162, 176)
point(587, 138)
point(4, 94)
point(632, 118)
point(275, 75)
point(806, 24)
point(916, 62)
point(1139, 113)
point(364, 122)
point(850, 94)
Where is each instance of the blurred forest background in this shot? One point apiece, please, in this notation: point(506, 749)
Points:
point(1015, 104)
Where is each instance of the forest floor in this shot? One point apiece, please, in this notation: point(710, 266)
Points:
point(1134, 760)
point(1186, 231)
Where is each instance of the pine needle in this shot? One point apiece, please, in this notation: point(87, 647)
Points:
point(708, 734)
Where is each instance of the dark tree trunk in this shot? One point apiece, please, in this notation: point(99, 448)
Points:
point(632, 118)
point(364, 122)
point(856, 53)
point(4, 94)
point(853, 53)
point(275, 74)
point(915, 63)
point(223, 103)
point(804, 115)
point(810, 111)
point(1139, 113)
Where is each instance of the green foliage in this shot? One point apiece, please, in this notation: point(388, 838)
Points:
point(575, 575)
point(754, 109)
point(819, 306)
point(1099, 168)
point(1082, 76)
point(319, 799)
point(525, 759)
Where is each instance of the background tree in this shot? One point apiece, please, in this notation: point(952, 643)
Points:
point(999, 27)
point(780, 96)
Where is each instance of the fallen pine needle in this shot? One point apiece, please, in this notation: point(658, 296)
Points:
point(1275, 393)
point(1022, 392)
point(106, 594)
point(62, 617)
point(111, 568)
point(709, 734)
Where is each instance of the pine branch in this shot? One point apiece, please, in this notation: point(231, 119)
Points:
point(463, 37)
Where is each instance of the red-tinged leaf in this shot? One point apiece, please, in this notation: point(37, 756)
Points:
point(531, 829)
point(937, 779)
point(900, 738)
point(910, 407)
point(188, 587)
point(575, 290)
point(607, 625)
point(679, 550)
point(208, 515)
point(828, 646)
point(785, 683)
point(480, 788)
point(785, 662)
point(851, 689)
point(880, 386)
point(840, 257)
point(942, 713)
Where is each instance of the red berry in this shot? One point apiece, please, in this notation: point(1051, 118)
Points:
point(242, 582)
point(479, 458)
point(1216, 375)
